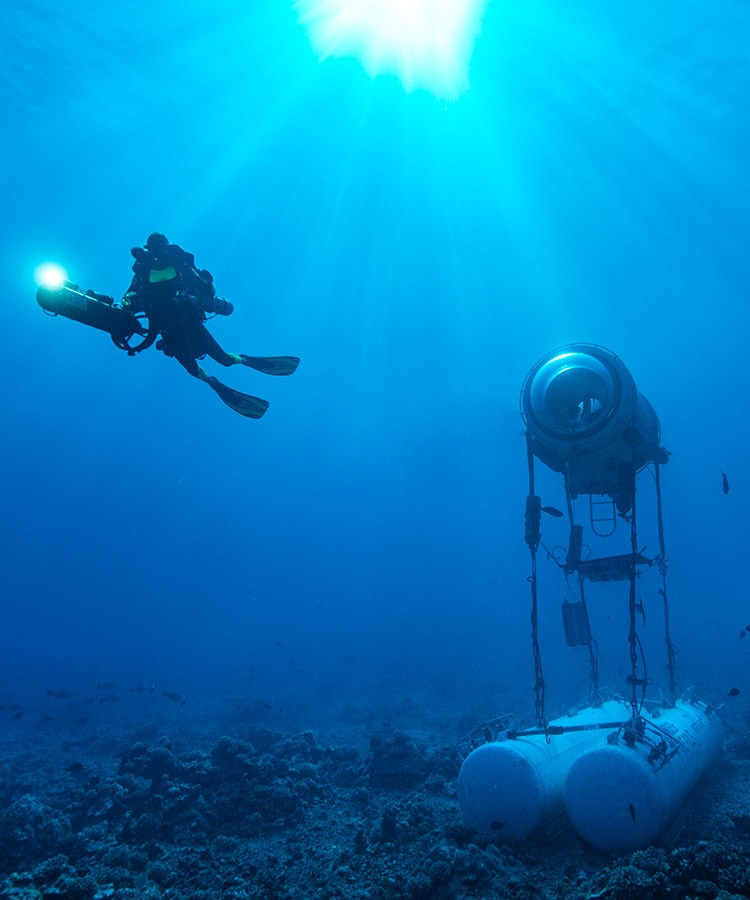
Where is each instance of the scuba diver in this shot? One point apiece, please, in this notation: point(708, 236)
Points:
point(177, 298)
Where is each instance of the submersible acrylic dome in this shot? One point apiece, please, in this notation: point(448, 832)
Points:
point(581, 394)
point(585, 417)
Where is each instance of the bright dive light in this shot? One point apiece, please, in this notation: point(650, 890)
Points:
point(50, 275)
point(426, 43)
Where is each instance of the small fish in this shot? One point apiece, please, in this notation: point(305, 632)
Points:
point(175, 698)
point(743, 632)
point(105, 686)
point(58, 695)
point(733, 692)
point(724, 483)
point(631, 809)
point(74, 767)
point(110, 698)
point(17, 715)
point(553, 511)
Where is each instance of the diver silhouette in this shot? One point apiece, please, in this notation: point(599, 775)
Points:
point(178, 299)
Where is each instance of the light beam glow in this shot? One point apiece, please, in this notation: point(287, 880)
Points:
point(50, 275)
point(425, 43)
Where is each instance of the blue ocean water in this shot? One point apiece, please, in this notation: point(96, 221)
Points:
point(363, 543)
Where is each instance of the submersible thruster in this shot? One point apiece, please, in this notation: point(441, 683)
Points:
point(622, 767)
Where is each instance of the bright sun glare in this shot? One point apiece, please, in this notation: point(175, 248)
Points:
point(425, 43)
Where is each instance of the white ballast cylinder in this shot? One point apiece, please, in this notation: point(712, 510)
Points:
point(620, 796)
point(509, 788)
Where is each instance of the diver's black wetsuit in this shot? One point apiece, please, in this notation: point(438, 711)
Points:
point(176, 296)
point(181, 325)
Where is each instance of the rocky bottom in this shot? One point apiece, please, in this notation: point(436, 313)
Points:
point(260, 813)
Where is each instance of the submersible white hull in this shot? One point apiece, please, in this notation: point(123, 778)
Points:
point(621, 796)
point(509, 788)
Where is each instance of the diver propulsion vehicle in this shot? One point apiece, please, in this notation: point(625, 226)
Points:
point(99, 311)
point(619, 768)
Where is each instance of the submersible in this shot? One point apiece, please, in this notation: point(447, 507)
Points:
point(620, 768)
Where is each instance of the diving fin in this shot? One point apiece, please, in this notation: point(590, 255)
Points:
point(272, 365)
point(244, 404)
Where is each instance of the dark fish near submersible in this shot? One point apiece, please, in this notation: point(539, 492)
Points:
point(175, 698)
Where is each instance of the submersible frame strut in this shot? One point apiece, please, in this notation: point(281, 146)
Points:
point(586, 420)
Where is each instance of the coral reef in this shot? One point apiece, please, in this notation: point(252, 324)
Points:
point(259, 813)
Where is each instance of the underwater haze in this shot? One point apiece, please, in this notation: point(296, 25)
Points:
point(586, 179)
point(419, 253)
